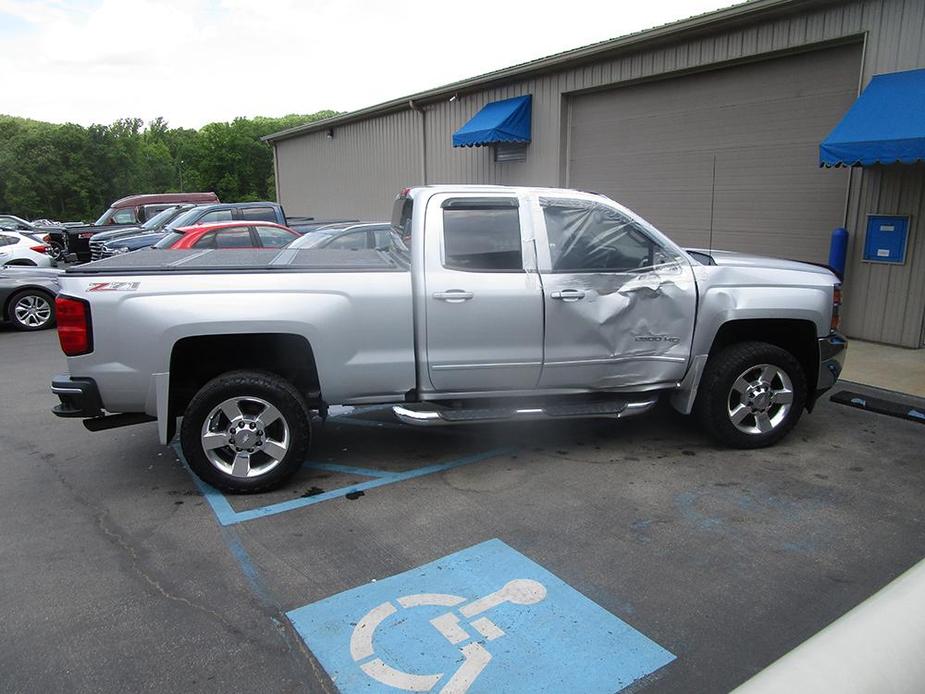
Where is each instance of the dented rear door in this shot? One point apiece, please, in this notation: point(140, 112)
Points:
point(619, 299)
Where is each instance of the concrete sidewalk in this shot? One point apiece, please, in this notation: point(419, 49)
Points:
point(883, 366)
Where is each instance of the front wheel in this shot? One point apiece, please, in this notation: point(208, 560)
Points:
point(751, 395)
point(246, 431)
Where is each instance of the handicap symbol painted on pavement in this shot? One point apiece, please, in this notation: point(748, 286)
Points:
point(486, 619)
point(521, 591)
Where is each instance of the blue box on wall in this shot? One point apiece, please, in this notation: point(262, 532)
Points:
point(885, 239)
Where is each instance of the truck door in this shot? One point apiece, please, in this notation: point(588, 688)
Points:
point(619, 299)
point(483, 301)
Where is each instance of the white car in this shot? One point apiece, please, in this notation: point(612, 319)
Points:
point(21, 248)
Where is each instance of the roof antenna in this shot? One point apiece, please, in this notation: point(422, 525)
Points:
point(712, 199)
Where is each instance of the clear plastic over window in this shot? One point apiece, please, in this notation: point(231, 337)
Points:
point(586, 236)
point(486, 240)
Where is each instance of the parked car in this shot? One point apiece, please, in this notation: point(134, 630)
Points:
point(512, 304)
point(124, 213)
point(303, 225)
point(348, 236)
point(22, 248)
point(201, 214)
point(136, 209)
point(27, 297)
point(154, 225)
point(229, 235)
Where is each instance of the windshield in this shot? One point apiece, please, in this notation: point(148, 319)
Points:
point(105, 217)
point(169, 240)
point(162, 217)
point(312, 239)
point(186, 219)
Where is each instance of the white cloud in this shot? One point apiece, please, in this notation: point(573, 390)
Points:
point(195, 61)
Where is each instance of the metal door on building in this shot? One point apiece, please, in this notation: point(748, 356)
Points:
point(734, 150)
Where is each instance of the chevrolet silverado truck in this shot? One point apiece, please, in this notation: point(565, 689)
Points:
point(494, 304)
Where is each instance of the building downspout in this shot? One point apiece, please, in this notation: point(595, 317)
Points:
point(417, 109)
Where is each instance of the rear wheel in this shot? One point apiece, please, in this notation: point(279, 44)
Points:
point(246, 431)
point(751, 395)
point(31, 309)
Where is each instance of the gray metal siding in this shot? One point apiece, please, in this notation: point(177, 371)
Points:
point(886, 302)
point(356, 173)
point(652, 146)
point(384, 155)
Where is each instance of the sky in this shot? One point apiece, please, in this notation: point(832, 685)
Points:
point(198, 61)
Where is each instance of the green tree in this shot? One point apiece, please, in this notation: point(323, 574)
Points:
point(71, 172)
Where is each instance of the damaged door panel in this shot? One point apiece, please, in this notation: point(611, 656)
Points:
point(619, 306)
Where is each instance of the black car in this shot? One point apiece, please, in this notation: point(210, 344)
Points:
point(154, 225)
point(27, 297)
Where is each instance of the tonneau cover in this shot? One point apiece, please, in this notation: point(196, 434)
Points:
point(150, 260)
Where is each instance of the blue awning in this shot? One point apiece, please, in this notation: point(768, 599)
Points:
point(886, 125)
point(499, 121)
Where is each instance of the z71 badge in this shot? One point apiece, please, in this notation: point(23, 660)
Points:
point(113, 286)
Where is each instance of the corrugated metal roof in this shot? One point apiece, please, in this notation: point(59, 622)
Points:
point(709, 21)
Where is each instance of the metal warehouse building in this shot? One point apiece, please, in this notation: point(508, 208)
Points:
point(710, 128)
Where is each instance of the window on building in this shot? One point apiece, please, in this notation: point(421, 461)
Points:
point(510, 151)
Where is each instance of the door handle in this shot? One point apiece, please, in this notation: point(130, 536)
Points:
point(454, 296)
point(568, 294)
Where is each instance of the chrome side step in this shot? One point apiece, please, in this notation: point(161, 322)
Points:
point(428, 415)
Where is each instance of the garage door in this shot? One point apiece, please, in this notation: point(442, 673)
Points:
point(655, 147)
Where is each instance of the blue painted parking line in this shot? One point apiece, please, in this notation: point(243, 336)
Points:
point(349, 469)
point(226, 514)
point(485, 619)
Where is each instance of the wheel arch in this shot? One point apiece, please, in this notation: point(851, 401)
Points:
point(196, 360)
point(796, 336)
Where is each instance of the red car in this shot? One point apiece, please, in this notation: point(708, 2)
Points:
point(229, 235)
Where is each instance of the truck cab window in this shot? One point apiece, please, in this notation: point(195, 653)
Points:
point(126, 216)
point(401, 220)
point(586, 236)
point(482, 239)
point(216, 216)
point(258, 214)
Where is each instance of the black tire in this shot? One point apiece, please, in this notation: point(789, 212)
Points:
point(20, 263)
point(716, 401)
point(44, 304)
point(200, 420)
point(56, 251)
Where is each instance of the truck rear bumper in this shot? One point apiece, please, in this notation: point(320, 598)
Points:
point(79, 397)
point(832, 350)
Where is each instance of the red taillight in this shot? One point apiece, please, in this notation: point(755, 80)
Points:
point(836, 307)
point(38, 249)
point(74, 333)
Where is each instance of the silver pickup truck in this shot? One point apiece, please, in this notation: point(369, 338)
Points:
point(494, 304)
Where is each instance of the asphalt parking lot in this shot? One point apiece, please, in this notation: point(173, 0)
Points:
point(119, 572)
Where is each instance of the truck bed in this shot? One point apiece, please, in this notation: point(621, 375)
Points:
point(155, 261)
